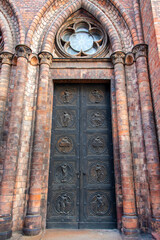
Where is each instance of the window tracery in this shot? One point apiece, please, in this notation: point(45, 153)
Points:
point(82, 38)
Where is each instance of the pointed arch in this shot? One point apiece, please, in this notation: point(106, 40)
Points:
point(11, 25)
point(113, 35)
point(117, 20)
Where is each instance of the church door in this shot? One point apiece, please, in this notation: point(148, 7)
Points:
point(81, 179)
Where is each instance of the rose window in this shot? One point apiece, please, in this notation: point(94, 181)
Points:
point(81, 39)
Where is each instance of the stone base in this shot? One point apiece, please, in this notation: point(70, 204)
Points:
point(5, 227)
point(155, 223)
point(32, 226)
point(130, 226)
point(5, 235)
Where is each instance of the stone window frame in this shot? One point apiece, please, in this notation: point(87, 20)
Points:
point(102, 45)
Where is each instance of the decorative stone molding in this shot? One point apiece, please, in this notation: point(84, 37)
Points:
point(45, 58)
point(140, 50)
point(129, 59)
point(23, 51)
point(6, 58)
point(33, 59)
point(118, 57)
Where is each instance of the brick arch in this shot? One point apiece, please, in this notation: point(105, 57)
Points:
point(44, 19)
point(95, 11)
point(11, 25)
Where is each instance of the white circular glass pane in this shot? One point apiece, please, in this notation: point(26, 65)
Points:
point(93, 50)
point(71, 51)
point(81, 27)
point(67, 35)
point(81, 41)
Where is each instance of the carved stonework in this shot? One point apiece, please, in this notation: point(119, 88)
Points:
point(6, 58)
point(140, 50)
point(23, 51)
point(118, 57)
point(129, 59)
point(45, 58)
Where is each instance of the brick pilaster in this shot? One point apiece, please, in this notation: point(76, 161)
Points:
point(137, 140)
point(150, 138)
point(33, 221)
point(117, 167)
point(10, 163)
point(129, 219)
point(5, 76)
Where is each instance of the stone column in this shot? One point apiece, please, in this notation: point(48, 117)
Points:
point(10, 163)
point(129, 219)
point(33, 221)
point(150, 138)
point(4, 83)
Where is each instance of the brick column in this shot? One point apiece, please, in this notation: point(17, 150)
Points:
point(150, 138)
point(10, 163)
point(33, 221)
point(137, 139)
point(117, 168)
point(4, 82)
point(129, 219)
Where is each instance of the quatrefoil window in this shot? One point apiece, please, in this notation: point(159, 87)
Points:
point(81, 39)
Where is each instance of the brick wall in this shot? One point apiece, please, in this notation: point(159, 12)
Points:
point(150, 11)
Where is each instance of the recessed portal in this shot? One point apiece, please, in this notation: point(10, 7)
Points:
point(81, 180)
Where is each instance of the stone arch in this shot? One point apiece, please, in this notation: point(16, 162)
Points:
point(11, 26)
point(111, 12)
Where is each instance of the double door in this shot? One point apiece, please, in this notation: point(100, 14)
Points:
point(81, 179)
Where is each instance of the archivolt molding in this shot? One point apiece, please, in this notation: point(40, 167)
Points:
point(111, 14)
point(6, 33)
point(118, 22)
point(11, 25)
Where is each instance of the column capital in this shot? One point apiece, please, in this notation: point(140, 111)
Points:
point(45, 58)
point(23, 51)
point(6, 58)
point(140, 50)
point(118, 57)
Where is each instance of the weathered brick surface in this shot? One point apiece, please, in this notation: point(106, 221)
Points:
point(26, 95)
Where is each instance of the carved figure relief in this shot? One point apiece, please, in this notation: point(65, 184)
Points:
point(65, 145)
point(67, 96)
point(99, 204)
point(64, 173)
point(64, 204)
point(97, 119)
point(98, 145)
point(96, 96)
point(98, 173)
point(65, 119)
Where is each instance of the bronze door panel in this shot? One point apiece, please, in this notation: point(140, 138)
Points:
point(81, 179)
